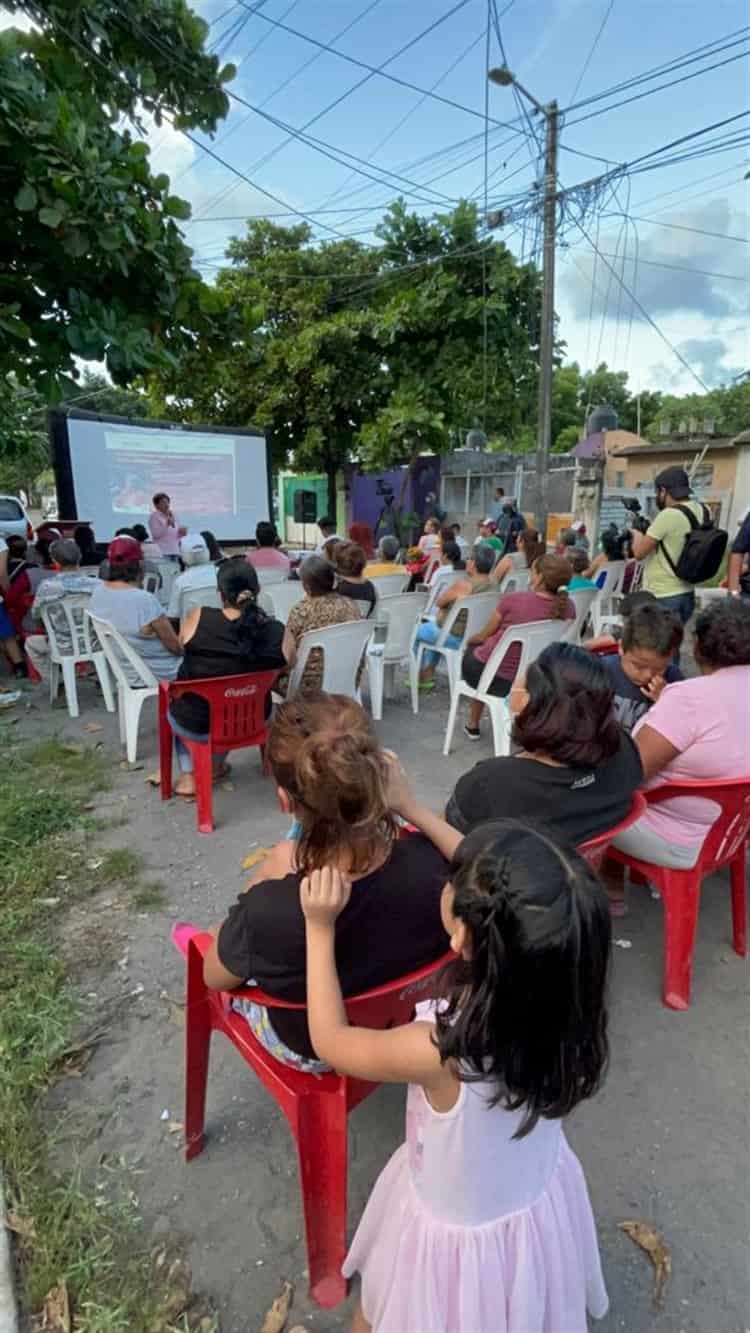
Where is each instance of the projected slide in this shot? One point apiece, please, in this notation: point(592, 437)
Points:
point(197, 473)
point(107, 472)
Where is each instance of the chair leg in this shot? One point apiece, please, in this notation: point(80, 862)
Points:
point(69, 681)
point(500, 718)
point(453, 713)
point(415, 663)
point(197, 1052)
point(166, 746)
point(375, 672)
point(54, 681)
point(202, 769)
point(322, 1149)
point(102, 671)
point(681, 894)
point(738, 876)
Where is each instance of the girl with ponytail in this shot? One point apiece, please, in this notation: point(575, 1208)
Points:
point(230, 641)
point(546, 599)
point(334, 778)
point(481, 1221)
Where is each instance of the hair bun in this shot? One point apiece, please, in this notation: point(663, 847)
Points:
point(245, 596)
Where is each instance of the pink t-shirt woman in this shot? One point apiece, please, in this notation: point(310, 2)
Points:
point(698, 730)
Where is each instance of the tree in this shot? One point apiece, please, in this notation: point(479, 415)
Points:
point(727, 407)
point(567, 403)
point(92, 262)
point(24, 442)
point(96, 394)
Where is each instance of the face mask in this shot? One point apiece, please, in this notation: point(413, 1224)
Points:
point(661, 499)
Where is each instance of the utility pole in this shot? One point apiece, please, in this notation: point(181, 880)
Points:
point(504, 78)
point(547, 331)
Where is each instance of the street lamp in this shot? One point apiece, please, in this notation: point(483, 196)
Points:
point(504, 78)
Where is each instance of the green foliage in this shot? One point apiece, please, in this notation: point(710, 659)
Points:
point(24, 444)
point(95, 393)
point(728, 407)
point(566, 440)
point(92, 261)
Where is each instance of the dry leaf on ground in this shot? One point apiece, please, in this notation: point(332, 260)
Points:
point(55, 1315)
point(153, 779)
point(278, 1314)
point(254, 857)
point(91, 727)
point(658, 1252)
point(21, 1226)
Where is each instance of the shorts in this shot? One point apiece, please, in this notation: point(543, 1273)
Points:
point(471, 670)
point(256, 1017)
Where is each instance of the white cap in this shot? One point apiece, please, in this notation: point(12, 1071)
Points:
point(192, 541)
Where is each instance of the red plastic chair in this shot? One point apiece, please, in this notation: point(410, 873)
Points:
point(725, 844)
point(595, 850)
point(316, 1106)
point(237, 706)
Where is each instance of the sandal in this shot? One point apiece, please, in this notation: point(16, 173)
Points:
point(181, 934)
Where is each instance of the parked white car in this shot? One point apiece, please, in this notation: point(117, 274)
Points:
point(14, 521)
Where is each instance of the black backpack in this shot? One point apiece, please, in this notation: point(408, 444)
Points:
point(704, 548)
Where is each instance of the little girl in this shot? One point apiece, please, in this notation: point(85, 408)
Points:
point(481, 1221)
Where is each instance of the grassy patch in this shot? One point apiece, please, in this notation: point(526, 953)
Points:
point(85, 1235)
point(149, 896)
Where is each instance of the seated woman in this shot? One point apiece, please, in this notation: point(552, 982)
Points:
point(333, 776)
point(613, 549)
point(546, 599)
point(579, 563)
point(697, 730)
point(451, 562)
point(24, 577)
point(576, 770)
point(137, 614)
point(349, 561)
point(386, 559)
point(320, 606)
point(214, 550)
point(477, 579)
point(528, 549)
point(362, 535)
point(239, 637)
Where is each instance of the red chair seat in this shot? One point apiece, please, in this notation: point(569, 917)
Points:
point(237, 705)
point(725, 844)
point(316, 1107)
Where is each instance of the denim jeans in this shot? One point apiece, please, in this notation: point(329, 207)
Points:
point(184, 758)
point(683, 603)
point(428, 633)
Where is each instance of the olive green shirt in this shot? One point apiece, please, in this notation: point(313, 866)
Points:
point(669, 528)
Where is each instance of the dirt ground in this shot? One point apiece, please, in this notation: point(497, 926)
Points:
point(665, 1142)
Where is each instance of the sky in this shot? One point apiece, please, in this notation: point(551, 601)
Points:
point(682, 247)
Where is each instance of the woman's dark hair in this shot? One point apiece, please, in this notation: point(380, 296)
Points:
point(613, 544)
point(160, 495)
point(452, 551)
point(238, 587)
point(554, 571)
point(266, 534)
point(652, 627)
point(17, 546)
point(578, 560)
point(528, 542)
point(85, 541)
point(324, 753)
point(318, 576)
point(349, 559)
point(362, 535)
point(567, 537)
point(140, 532)
point(41, 546)
point(215, 552)
point(569, 715)
point(527, 1010)
point(722, 634)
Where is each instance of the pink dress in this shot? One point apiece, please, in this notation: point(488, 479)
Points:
point(469, 1231)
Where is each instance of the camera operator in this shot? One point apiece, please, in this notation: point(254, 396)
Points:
point(665, 537)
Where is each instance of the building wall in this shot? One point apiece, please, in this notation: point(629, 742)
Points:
point(641, 471)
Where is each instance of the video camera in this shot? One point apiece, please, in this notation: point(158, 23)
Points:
point(638, 521)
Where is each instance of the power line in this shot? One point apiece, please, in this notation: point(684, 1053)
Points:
point(690, 57)
point(696, 231)
point(592, 49)
point(648, 92)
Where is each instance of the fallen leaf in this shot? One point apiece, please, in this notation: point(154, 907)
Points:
point(91, 727)
point(253, 858)
point(176, 1014)
point(278, 1314)
point(56, 1310)
point(153, 779)
point(21, 1226)
point(227, 786)
point(71, 748)
point(130, 768)
point(658, 1252)
point(175, 1126)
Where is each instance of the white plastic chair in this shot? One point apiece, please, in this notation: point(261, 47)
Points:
point(130, 697)
point(193, 597)
point(441, 585)
point(282, 597)
point(398, 615)
point(583, 600)
point(271, 576)
point(343, 647)
point(602, 610)
point(73, 607)
point(168, 569)
point(478, 607)
point(388, 585)
point(517, 580)
point(533, 638)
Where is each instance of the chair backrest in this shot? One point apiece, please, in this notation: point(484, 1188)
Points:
point(283, 596)
point(192, 597)
point(732, 824)
point(237, 703)
point(71, 608)
point(610, 579)
point(478, 608)
point(399, 614)
point(594, 850)
point(152, 582)
point(169, 570)
point(517, 580)
point(387, 585)
point(433, 562)
point(266, 576)
point(128, 667)
point(533, 638)
point(582, 599)
point(343, 646)
point(441, 584)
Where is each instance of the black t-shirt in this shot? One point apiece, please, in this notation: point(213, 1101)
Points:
point(574, 803)
point(216, 650)
point(741, 546)
point(390, 926)
point(359, 592)
point(630, 703)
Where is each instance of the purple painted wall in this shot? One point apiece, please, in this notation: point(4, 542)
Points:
point(372, 495)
